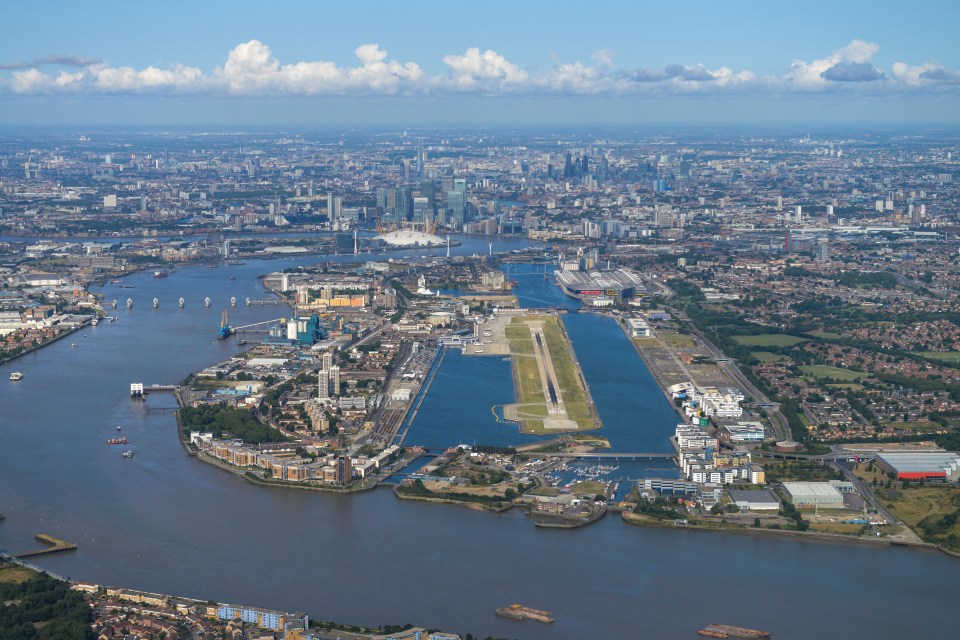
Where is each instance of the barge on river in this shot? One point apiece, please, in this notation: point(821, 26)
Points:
point(726, 631)
point(520, 612)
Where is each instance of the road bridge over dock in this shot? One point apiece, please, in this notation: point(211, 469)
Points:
point(604, 455)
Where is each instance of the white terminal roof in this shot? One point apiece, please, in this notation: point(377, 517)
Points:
point(615, 279)
point(921, 461)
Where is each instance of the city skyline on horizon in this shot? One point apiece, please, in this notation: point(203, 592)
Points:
point(316, 63)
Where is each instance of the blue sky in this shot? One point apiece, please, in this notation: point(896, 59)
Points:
point(527, 61)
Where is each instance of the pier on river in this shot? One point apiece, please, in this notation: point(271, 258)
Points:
point(55, 545)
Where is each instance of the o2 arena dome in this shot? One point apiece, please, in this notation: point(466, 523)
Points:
point(411, 238)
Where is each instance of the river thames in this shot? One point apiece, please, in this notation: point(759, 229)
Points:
point(166, 522)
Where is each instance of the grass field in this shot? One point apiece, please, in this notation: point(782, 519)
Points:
point(531, 390)
point(836, 527)
point(767, 357)
point(591, 440)
point(647, 342)
point(848, 386)
point(519, 337)
point(950, 357)
point(15, 574)
point(677, 339)
point(924, 425)
point(769, 340)
point(533, 409)
point(827, 335)
point(822, 371)
point(544, 491)
point(861, 470)
point(588, 488)
point(931, 512)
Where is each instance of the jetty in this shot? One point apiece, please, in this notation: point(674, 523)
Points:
point(54, 545)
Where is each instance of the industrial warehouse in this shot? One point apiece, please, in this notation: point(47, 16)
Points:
point(619, 284)
point(825, 495)
point(921, 465)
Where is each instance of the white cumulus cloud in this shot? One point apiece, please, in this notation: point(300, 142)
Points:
point(128, 79)
point(811, 74)
point(31, 81)
point(487, 70)
point(926, 74)
point(253, 69)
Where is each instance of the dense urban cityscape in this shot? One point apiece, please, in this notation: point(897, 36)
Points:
point(793, 297)
point(401, 321)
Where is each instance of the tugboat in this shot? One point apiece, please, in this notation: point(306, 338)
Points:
point(16, 375)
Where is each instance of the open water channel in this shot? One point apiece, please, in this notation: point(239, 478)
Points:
point(166, 522)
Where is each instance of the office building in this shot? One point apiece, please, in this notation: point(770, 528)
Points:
point(422, 213)
point(456, 207)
